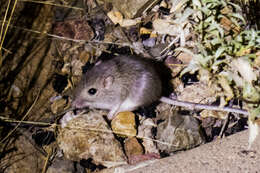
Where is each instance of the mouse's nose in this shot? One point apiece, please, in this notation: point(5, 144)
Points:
point(78, 103)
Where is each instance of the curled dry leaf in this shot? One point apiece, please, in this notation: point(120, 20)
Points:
point(130, 22)
point(163, 26)
point(76, 67)
point(215, 114)
point(145, 133)
point(176, 5)
point(228, 92)
point(244, 68)
point(58, 105)
point(199, 93)
point(251, 93)
point(185, 57)
point(117, 18)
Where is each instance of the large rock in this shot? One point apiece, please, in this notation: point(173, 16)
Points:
point(88, 136)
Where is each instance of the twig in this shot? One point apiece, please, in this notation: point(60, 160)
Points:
point(193, 106)
point(49, 3)
point(118, 133)
point(3, 33)
point(150, 6)
point(9, 120)
point(224, 126)
point(47, 161)
point(69, 39)
point(170, 45)
point(6, 50)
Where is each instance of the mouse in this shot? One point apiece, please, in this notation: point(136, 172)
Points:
point(125, 83)
point(122, 83)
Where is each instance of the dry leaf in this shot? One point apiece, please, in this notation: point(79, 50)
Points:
point(129, 22)
point(115, 16)
point(144, 30)
point(244, 68)
point(162, 26)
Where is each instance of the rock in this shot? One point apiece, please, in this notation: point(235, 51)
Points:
point(89, 137)
point(134, 152)
point(62, 165)
point(21, 156)
point(66, 118)
point(124, 124)
point(132, 148)
point(176, 132)
point(78, 29)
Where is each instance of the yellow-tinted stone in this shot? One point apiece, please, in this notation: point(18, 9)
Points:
point(124, 124)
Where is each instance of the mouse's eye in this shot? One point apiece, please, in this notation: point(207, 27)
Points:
point(92, 91)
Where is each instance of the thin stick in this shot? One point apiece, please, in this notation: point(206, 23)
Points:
point(8, 23)
point(118, 133)
point(67, 38)
point(224, 127)
point(9, 120)
point(193, 106)
point(47, 161)
point(52, 4)
point(4, 21)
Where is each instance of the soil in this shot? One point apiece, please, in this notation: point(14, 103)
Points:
point(230, 154)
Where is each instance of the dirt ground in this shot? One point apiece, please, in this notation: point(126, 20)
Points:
point(223, 155)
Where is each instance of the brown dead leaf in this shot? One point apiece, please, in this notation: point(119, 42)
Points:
point(216, 114)
point(115, 16)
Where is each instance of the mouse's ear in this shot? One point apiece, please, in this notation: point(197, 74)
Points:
point(108, 81)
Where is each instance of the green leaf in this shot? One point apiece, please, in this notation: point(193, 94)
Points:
point(192, 67)
point(237, 7)
point(196, 3)
point(250, 93)
point(217, 41)
point(219, 52)
point(236, 15)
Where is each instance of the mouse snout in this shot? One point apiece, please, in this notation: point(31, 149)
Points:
point(78, 103)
